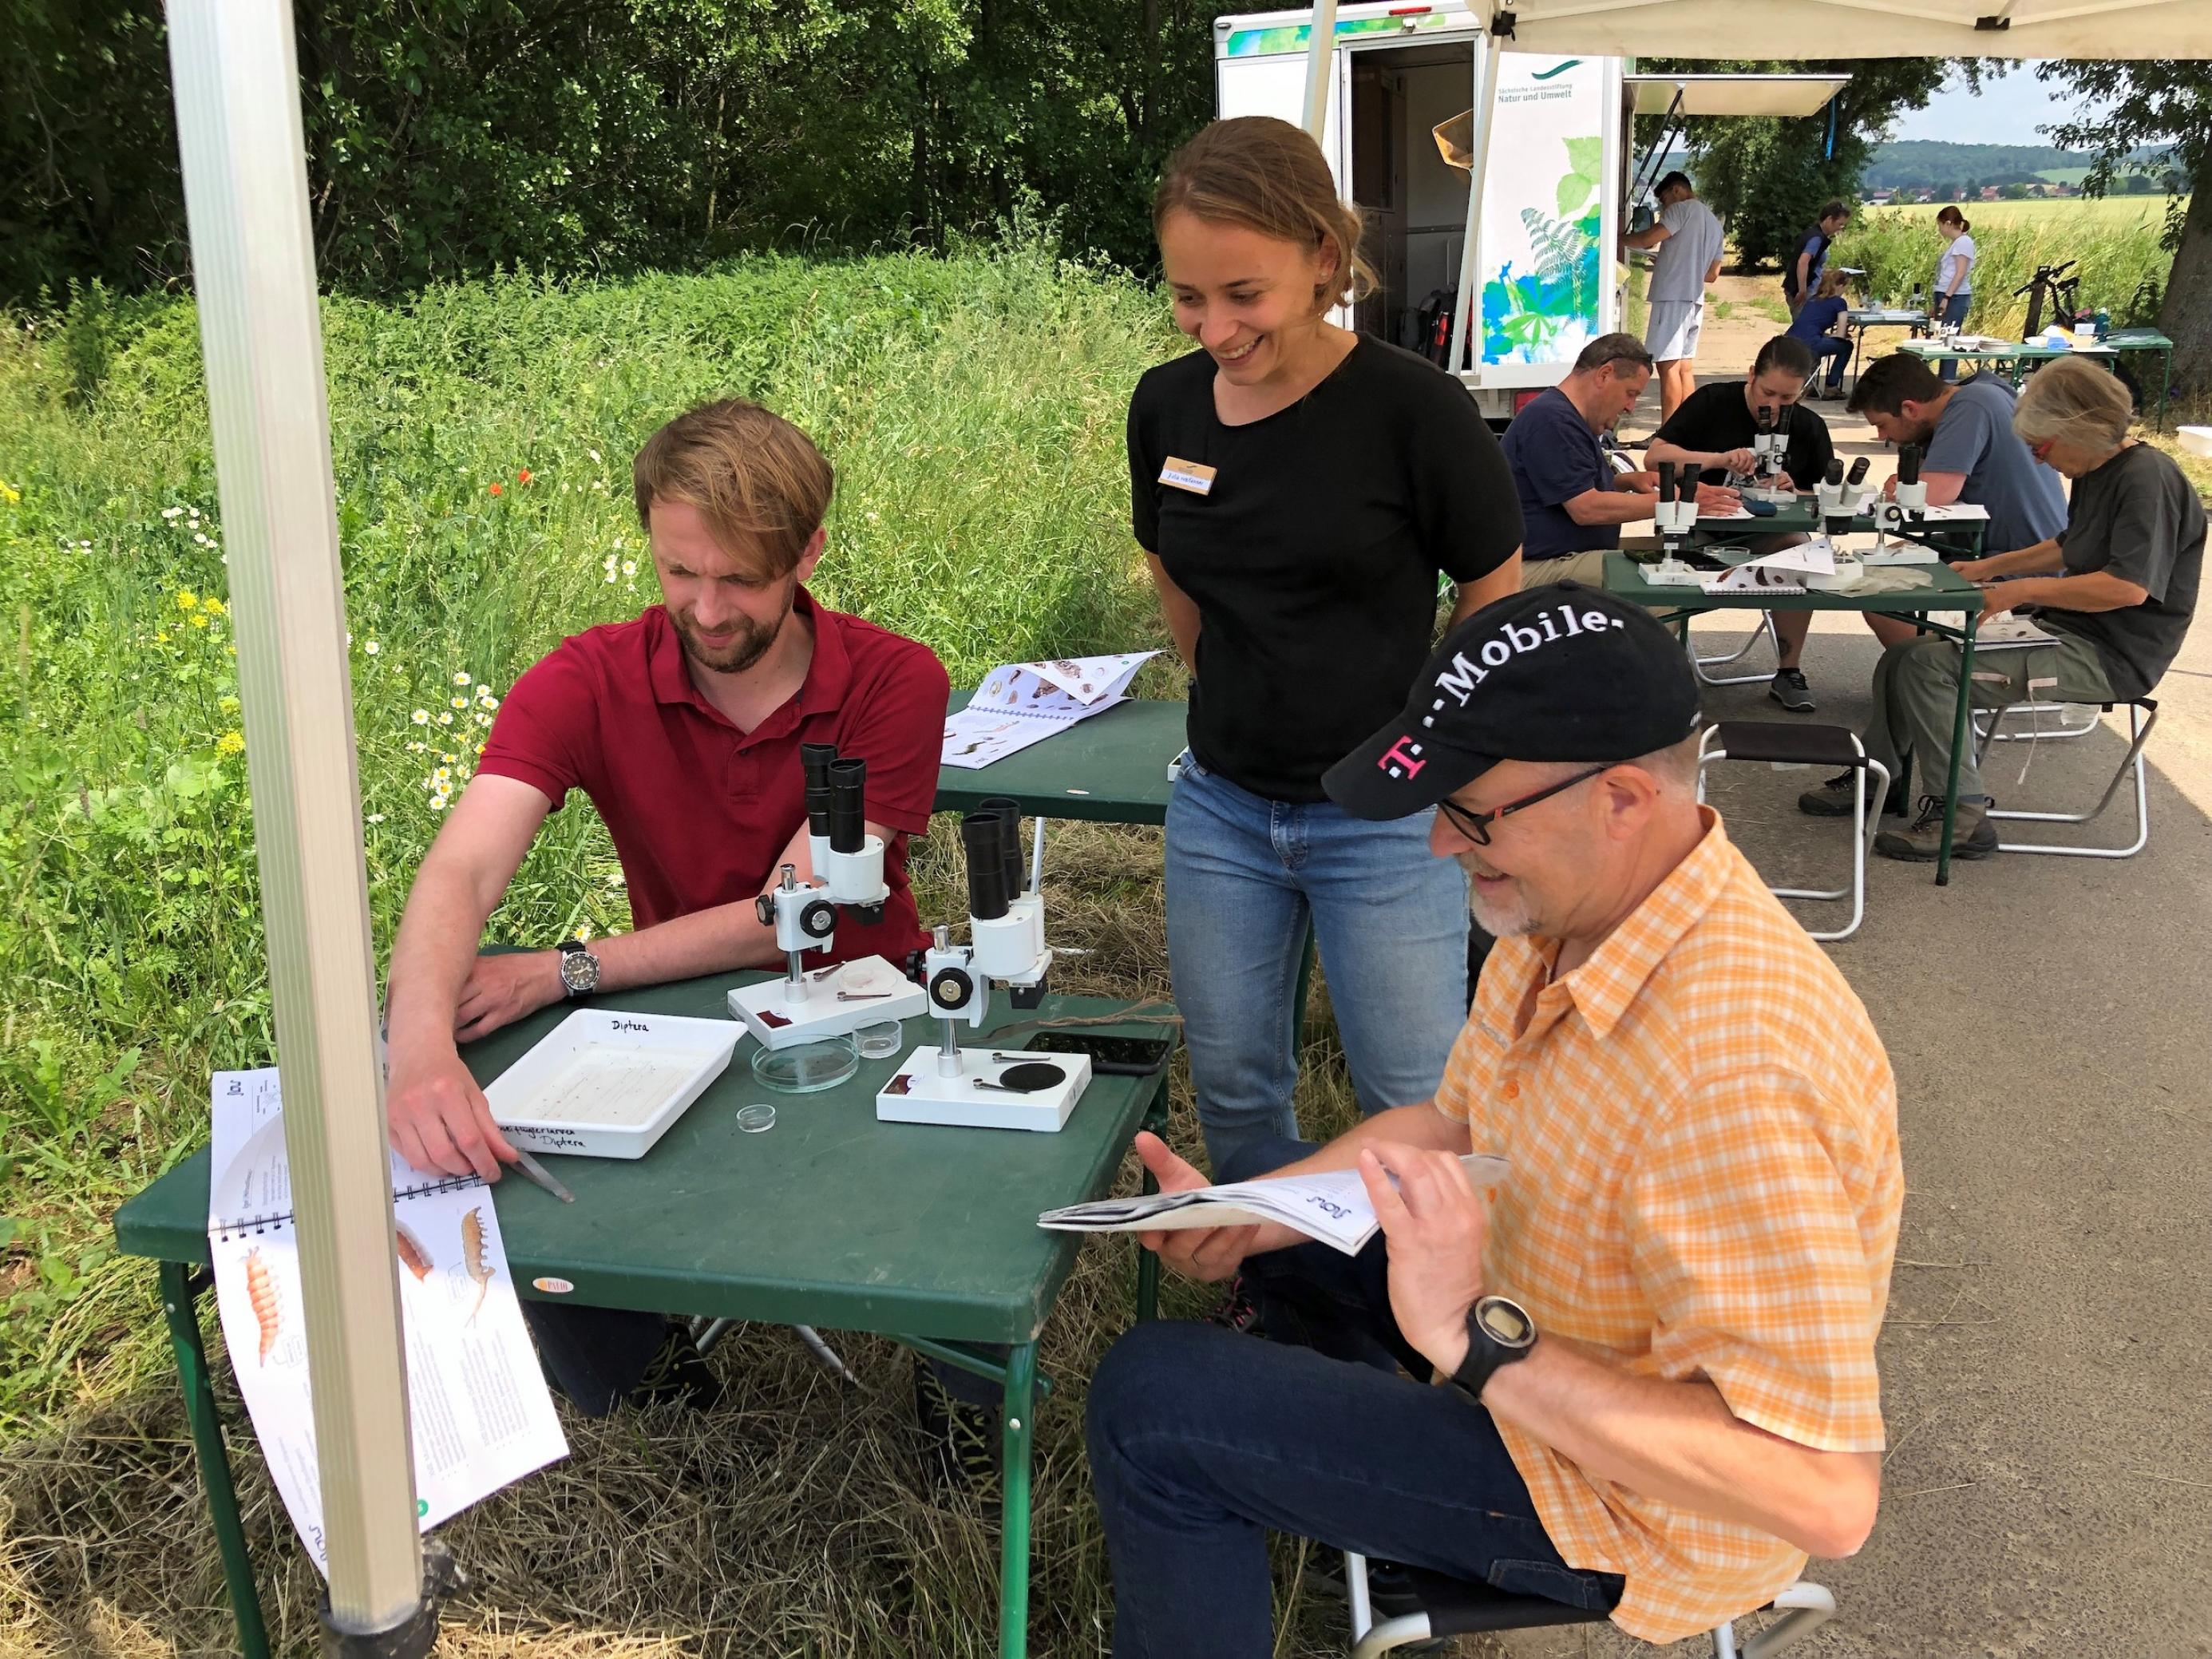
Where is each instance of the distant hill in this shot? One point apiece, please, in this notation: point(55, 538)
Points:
point(1927, 163)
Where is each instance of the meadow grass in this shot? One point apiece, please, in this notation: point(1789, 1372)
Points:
point(2115, 242)
point(974, 407)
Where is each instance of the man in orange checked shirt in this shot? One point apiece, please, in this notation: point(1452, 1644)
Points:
point(1656, 1334)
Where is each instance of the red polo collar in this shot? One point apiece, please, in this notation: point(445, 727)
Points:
point(829, 676)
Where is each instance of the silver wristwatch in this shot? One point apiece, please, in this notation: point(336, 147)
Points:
point(580, 969)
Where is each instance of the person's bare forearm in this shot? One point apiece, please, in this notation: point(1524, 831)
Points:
point(2093, 590)
point(1658, 451)
point(704, 942)
point(1487, 589)
point(430, 956)
point(1612, 506)
point(2044, 559)
point(1678, 1443)
point(1179, 611)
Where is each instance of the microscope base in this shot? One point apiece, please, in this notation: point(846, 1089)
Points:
point(1673, 573)
point(918, 1095)
point(767, 1014)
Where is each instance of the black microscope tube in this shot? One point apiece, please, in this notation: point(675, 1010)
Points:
point(848, 788)
point(983, 835)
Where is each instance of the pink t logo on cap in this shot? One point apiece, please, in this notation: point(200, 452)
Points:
point(1400, 755)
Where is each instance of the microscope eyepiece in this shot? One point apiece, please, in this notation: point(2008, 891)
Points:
point(984, 834)
point(847, 791)
point(1908, 464)
point(814, 763)
point(1856, 476)
point(1666, 480)
point(1008, 811)
point(1835, 472)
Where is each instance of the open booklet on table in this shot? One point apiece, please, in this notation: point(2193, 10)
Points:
point(478, 1411)
point(1331, 1206)
point(1025, 703)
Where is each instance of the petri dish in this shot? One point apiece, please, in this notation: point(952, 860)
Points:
point(807, 1066)
point(881, 1040)
point(754, 1119)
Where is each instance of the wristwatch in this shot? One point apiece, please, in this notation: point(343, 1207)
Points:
point(1498, 1332)
point(580, 969)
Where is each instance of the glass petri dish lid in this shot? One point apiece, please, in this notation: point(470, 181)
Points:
point(807, 1066)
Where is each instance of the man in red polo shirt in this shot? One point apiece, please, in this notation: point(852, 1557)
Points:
point(683, 728)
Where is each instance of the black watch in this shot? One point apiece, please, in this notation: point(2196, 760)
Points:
point(1498, 1332)
point(580, 969)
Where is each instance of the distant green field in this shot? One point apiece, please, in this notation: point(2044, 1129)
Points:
point(2108, 212)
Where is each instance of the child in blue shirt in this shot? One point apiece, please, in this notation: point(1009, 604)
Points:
point(1820, 324)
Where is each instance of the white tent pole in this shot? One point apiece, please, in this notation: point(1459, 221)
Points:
point(236, 79)
point(1320, 44)
point(1488, 49)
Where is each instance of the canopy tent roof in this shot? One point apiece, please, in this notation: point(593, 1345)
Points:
point(1855, 28)
point(1733, 95)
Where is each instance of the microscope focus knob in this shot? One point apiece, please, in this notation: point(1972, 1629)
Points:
point(817, 918)
point(764, 907)
point(951, 989)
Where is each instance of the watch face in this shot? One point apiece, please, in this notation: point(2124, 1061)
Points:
point(1504, 1322)
point(580, 969)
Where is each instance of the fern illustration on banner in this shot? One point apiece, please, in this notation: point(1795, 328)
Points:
point(1525, 312)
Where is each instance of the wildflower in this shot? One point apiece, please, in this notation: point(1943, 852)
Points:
point(630, 567)
point(480, 749)
point(460, 679)
point(611, 576)
point(201, 538)
point(584, 931)
point(487, 701)
point(186, 599)
point(228, 705)
point(160, 639)
point(417, 748)
point(444, 719)
point(172, 511)
point(230, 743)
point(199, 619)
point(443, 775)
point(523, 477)
point(9, 492)
point(438, 802)
point(376, 817)
point(448, 759)
point(593, 454)
point(371, 647)
point(483, 719)
point(422, 717)
point(213, 606)
point(460, 703)
point(497, 490)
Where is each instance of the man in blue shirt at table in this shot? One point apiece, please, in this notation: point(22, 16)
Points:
point(1573, 499)
point(1969, 454)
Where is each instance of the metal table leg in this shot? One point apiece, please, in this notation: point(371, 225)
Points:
point(1014, 1516)
point(1961, 734)
point(179, 1307)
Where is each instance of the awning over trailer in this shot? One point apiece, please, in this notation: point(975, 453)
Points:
point(1733, 95)
point(1855, 28)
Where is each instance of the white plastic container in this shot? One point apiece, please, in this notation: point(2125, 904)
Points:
point(603, 1083)
point(2197, 439)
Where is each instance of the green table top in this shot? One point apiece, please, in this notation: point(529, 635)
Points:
point(830, 1217)
point(1947, 591)
point(2010, 351)
point(1804, 516)
point(1111, 768)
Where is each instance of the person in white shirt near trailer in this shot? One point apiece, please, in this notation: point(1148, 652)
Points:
point(1688, 239)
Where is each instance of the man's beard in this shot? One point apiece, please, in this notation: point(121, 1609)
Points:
point(751, 645)
point(1507, 917)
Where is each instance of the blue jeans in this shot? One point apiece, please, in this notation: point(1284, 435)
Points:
point(1202, 1439)
point(1244, 877)
point(1953, 311)
point(1829, 357)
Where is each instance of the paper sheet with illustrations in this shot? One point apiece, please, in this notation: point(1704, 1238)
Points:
point(1023, 704)
point(479, 1413)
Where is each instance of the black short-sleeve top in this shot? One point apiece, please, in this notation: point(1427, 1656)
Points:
point(1311, 542)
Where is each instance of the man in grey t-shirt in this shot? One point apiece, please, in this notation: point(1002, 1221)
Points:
point(1969, 454)
point(1688, 240)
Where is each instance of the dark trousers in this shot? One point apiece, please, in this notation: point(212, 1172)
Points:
point(1829, 357)
point(1202, 1440)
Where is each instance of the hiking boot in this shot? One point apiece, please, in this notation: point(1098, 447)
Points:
point(961, 1443)
point(679, 1371)
point(1973, 836)
point(1237, 1312)
point(1789, 689)
point(1833, 799)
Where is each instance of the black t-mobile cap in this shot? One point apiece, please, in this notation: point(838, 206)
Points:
point(1561, 673)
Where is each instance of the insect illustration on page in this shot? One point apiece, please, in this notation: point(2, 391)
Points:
point(412, 1255)
point(261, 1291)
point(472, 1257)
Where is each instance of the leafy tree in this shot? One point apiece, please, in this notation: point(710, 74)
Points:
point(2135, 102)
point(1768, 175)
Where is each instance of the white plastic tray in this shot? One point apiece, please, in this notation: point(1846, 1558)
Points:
point(607, 1084)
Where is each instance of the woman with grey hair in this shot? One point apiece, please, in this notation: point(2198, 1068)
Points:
point(2115, 588)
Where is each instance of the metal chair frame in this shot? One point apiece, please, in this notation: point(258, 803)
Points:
point(1765, 630)
point(1804, 1609)
point(1863, 825)
point(2142, 718)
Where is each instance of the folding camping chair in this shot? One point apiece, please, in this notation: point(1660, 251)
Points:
point(1798, 744)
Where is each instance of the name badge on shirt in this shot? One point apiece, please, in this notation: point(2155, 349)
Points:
point(1188, 475)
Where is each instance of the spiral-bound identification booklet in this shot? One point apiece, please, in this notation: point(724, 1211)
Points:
point(478, 1412)
point(1025, 703)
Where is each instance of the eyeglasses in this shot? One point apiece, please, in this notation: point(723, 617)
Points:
point(1475, 826)
point(2042, 451)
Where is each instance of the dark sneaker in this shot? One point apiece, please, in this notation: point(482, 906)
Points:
point(679, 1371)
point(1835, 391)
point(1973, 836)
point(1237, 1312)
point(1789, 689)
point(961, 1444)
point(1833, 799)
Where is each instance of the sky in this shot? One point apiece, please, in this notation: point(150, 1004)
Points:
point(2007, 111)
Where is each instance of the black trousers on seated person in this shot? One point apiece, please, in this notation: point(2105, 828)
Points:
point(1203, 1439)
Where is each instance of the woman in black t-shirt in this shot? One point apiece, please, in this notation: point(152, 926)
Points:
point(1297, 491)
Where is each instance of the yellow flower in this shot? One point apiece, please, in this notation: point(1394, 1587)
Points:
point(230, 743)
point(199, 619)
point(160, 639)
point(186, 599)
point(212, 605)
point(9, 492)
point(460, 703)
point(228, 705)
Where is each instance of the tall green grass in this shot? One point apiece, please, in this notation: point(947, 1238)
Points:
point(2118, 254)
point(973, 407)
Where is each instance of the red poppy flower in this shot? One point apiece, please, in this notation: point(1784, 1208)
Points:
point(497, 490)
point(523, 477)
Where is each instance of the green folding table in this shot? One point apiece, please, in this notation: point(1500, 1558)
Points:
point(2016, 361)
point(923, 1233)
point(1946, 590)
point(1959, 538)
point(1111, 768)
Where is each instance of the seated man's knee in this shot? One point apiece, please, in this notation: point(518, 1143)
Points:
point(1150, 1363)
